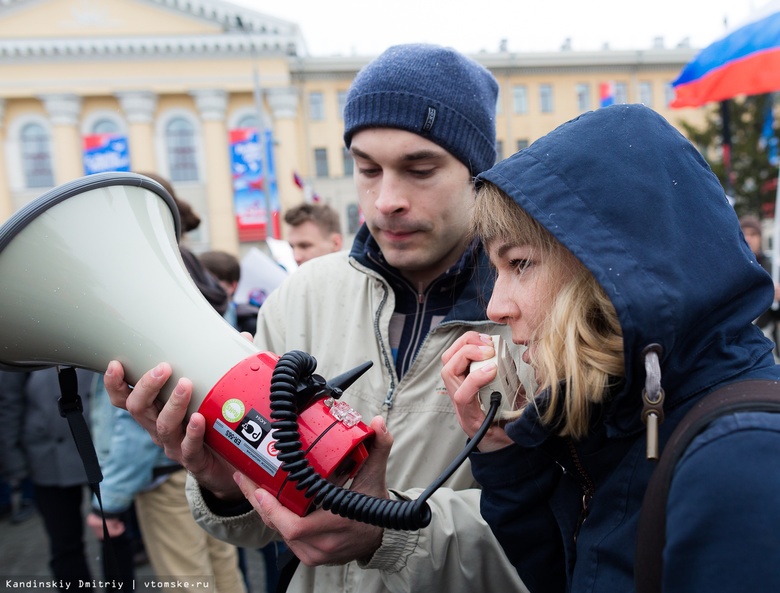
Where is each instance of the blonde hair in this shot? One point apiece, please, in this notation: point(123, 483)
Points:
point(578, 349)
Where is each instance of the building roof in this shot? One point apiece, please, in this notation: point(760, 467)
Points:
point(84, 29)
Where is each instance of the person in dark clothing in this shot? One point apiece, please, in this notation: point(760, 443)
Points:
point(751, 228)
point(620, 264)
point(206, 282)
point(227, 270)
point(17, 509)
point(35, 441)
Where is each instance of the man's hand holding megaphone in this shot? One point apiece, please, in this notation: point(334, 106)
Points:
point(166, 425)
point(319, 538)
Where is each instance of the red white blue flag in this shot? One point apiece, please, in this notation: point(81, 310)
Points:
point(746, 61)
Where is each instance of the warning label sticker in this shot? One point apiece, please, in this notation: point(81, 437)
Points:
point(253, 437)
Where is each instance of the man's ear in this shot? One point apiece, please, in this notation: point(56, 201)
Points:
point(337, 241)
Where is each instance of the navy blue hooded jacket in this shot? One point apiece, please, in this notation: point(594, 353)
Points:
point(636, 203)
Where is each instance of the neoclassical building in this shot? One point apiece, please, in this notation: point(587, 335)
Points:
point(174, 79)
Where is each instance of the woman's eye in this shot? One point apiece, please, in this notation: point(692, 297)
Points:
point(520, 265)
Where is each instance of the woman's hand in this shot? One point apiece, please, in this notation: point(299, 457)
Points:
point(463, 387)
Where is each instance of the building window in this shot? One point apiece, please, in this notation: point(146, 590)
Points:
point(316, 106)
point(342, 99)
point(583, 97)
point(520, 99)
point(36, 156)
point(499, 151)
point(248, 121)
point(668, 93)
point(105, 126)
point(621, 92)
point(349, 163)
point(546, 98)
point(180, 147)
point(646, 93)
point(499, 107)
point(353, 218)
point(321, 162)
point(522, 143)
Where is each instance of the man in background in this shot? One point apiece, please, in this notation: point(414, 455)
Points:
point(768, 320)
point(313, 230)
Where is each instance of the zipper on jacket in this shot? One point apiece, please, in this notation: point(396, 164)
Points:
point(587, 485)
point(388, 399)
point(419, 335)
point(388, 403)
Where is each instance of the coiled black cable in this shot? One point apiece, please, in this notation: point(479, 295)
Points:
point(408, 515)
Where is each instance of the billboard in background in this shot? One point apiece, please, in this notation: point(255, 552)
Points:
point(254, 184)
point(105, 152)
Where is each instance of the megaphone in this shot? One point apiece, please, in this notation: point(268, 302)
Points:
point(91, 272)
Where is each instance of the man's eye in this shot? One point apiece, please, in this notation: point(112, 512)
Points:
point(421, 172)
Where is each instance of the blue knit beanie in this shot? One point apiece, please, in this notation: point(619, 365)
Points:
point(432, 91)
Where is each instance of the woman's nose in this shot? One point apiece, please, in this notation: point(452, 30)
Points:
point(500, 308)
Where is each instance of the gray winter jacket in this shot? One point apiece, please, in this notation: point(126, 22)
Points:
point(35, 440)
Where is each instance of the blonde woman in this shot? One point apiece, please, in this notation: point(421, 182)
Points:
point(619, 263)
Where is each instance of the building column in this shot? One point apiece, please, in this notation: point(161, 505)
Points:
point(64, 111)
point(139, 108)
point(284, 105)
point(223, 233)
point(6, 204)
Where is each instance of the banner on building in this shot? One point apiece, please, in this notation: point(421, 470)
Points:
point(606, 94)
point(255, 190)
point(105, 152)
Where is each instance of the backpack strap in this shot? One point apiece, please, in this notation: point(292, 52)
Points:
point(743, 396)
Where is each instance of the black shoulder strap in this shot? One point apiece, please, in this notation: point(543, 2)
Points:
point(742, 396)
point(72, 410)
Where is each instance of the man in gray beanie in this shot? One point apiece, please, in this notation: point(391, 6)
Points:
point(420, 124)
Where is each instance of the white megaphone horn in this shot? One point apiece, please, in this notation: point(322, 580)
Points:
point(91, 272)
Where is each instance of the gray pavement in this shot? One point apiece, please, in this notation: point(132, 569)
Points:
point(24, 561)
